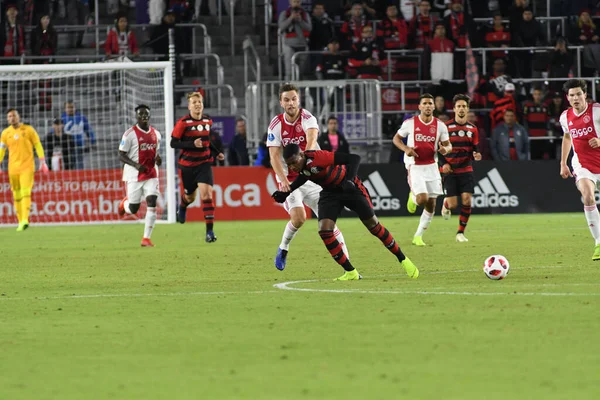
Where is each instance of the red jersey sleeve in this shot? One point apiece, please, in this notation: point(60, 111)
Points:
point(476, 137)
point(320, 158)
point(178, 130)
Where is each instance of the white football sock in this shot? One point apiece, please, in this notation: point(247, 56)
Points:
point(593, 219)
point(150, 220)
point(288, 234)
point(340, 238)
point(426, 218)
point(126, 205)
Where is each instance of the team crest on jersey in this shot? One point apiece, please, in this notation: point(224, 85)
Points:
point(298, 128)
point(16, 136)
point(469, 134)
point(461, 133)
point(586, 119)
point(207, 127)
point(432, 129)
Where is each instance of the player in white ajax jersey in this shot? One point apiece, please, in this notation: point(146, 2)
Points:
point(423, 133)
point(300, 127)
point(581, 128)
point(139, 152)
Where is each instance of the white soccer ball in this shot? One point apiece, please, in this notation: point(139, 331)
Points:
point(496, 267)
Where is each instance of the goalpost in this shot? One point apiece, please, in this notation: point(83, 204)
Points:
point(106, 94)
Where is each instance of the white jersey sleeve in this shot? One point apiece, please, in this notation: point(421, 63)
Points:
point(274, 133)
point(126, 142)
point(158, 139)
point(442, 132)
point(309, 123)
point(563, 122)
point(407, 127)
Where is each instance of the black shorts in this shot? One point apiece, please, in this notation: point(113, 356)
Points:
point(192, 176)
point(332, 202)
point(455, 184)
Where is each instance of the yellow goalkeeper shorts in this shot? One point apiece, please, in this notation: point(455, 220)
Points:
point(21, 184)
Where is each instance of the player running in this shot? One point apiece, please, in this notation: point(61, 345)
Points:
point(294, 126)
point(581, 128)
point(20, 140)
point(457, 166)
point(192, 135)
point(424, 132)
point(139, 152)
point(336, 174)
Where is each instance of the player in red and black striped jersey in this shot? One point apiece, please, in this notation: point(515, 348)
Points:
point(457, 167)
point(192, 136)
point(536, 118)
point(336, 174)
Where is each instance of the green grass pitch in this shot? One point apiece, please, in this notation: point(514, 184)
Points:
point(85, 313)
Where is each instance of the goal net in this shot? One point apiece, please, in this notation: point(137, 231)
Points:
point(94, 104)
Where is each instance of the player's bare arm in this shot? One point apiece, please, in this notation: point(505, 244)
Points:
point(126, 160)
point(409, 151)
point(275, 153)
point(565, 172)
point(311, 138)
point(446, 147)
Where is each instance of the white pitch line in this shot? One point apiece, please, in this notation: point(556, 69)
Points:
point(109, 295)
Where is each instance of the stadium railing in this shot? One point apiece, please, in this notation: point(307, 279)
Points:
point(251, 61)
point(220, 70)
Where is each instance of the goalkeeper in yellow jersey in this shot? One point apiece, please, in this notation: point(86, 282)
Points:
point(20, 140)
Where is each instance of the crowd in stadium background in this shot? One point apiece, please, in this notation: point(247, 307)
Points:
point(347, 40)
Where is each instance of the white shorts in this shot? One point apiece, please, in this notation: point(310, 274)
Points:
point(425, 179)
point(136, 191)
point(584, 173)
point(307, 194)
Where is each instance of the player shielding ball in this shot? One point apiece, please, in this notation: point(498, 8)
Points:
point(300, 127)
point(457, 166)
point(20, 140)
point(424, 132)
point(581, 128)
point(139, 152)
point(336, 174)
point(192, 136)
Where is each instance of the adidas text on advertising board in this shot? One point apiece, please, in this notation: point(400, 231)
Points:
point(492, 191)
point(381, 197)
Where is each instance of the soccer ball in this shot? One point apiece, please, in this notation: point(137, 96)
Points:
point(496, 267)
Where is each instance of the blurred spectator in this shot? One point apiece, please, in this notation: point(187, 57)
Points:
point(44, 39)
point(510, 140)
point(295, 25)
point(515, 15)
point(322, 28)
point(393, 30)
point(440, 7)
point(333, 64)
point(497, 36)
point(351, 31)
point(56, 9)
point(458, 24)
point(492, 86)
point(561, 60)
point(442, 55)
point(422, 26)
point(536, 120)
point(484, 140)
point(529, 34)
point(78, 127)
point(556, 106)
point(585, 30)
point(60, 147)
point(238, 149)
point(333, 140)
point(156, 9)
point(182, 9)
point(507, 102)
point(263, 159)
point(121, 41)
point(12, 35)
point(159, 41)
point(444, 117)
point(78, 11)
point(373, 7)
point(440, 106)
point(365, 56)
point(213, 7)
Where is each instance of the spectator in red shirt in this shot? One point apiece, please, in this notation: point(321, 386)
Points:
point(484, 140)
point(422, 26)
point(121, 41)
point(393, 30)
point(457, 24)
point(536, 119)
point(44, 39)
point(498, 36)
point(507, 102)
point(442, 55)
point(492, 86)
point(586, 31)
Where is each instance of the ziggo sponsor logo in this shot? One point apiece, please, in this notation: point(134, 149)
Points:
point(575, 133)
point(419, 137)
